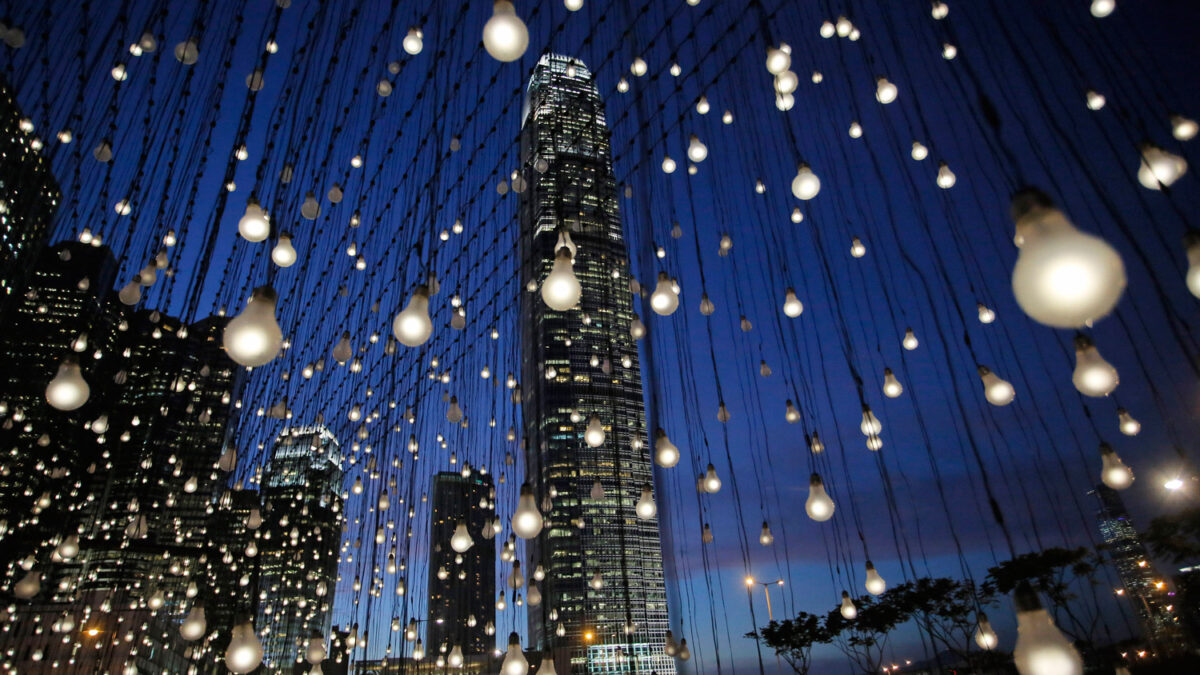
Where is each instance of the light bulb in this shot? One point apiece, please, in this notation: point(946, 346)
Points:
point(1041, 647)
point(712, 483)
point(939, 10)
point(418, 652)
point(783, 102)
point(986, 314)
point(514, 660)
point(885, 91)
point(668, 164)
point(998, 392)
point(786, 82)
point(703, 106)
point(1113, 471)
point(1128, 425)
point(919, 152)
point(870, 425)
point(573, 5)
point(819, 506)
point(461, 540)
point(1191, 243)
point(666, 454)
point(848, 610)
point(664, 300)
point(949, 51)
point(561, 289)
point(805, 185)
point(638, 67)
point(28, 586)
point(791, 414)
point(857, 248)
point(314, 653)
point(645, 507)
point(1102, 8)
point(414, 41)
point(697, 151)
point(284, 254)
point(891, 386)
point(875, 583)
point(1183, 128)
point(945, 177)
point(253, 338)
point(526, 520)
point(985, 636)
point(194, 625)
point(254, 225)
point(1063, 278)
point(792, 307)
point(1093, 375)
point(504, 35)
point(765, 537)
point(910, 341)
point(1159, 168)
point(777, 60)
point(412, 326)
point(68, 390)
point(594, 435)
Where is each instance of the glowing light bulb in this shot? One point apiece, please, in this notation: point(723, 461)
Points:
point(786, 82)
point(1041, 647)
point(461, 540)
point(594, 434)
point(986, 314)
point(253, 338)
point(1183, 128)
point(870, 425)
point(945, 177)
point(791, 414)
point(939, 10)
point(818, 506)
point(985, 636)
point(857, 248)
point(1113, 471)
point(919, 152)
point(697, 151)
point(792, 307)
point(666, 454)
point(1095, 100)
point(505, 36)
point(891, 386)
point(777, 60)
point(664, 300)
point(414, 41)
point(1093, 375)
point(1128, 425)
point(805, 185)
point(668, 164)
point(514, 660)
point(68, 390)
point(254, 225)
point(1159, 168)
point(712, 483)
point(703, 106)
point(284, 254)
point(856, 130)
point(998, 392)
point(412, 326)
point(949, 51)
point(1102, 8)
point(848, 610)
point(244, 653)
point(645, 507)
point(875, 583)
point(455, 659)
point(885, 91)
point(194, 625)
point(910, 341)
point(418, 652)
point(573, 5)
point(765, 537)
point(561, 289)
point(526, 520)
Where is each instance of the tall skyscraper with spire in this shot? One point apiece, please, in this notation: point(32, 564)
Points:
point(579, 364)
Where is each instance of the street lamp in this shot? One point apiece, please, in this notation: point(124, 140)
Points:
point(751, 581)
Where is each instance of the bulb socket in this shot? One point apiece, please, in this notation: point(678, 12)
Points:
point(1025, 598)
point(1027, 200)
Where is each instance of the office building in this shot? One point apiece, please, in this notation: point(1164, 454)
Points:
point(574, 369)
point(464, 602)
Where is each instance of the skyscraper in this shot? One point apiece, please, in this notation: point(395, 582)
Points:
point(28, 198)
point(298, 549)
point(1144, 588)
point(469, 587)
point(578, 364)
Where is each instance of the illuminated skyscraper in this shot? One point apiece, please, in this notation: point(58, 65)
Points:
point(584, 361)
point(1145, 589)
point(298, 547)
point(469, 589)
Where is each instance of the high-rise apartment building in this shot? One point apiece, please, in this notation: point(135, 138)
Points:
point(29, 196)
point(462, 586)
point(298, 548)
point(578, 364)
point(1146, 590)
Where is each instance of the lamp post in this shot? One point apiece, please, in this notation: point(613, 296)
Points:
point(750, 583)
point(767, 590)
point(757, 643)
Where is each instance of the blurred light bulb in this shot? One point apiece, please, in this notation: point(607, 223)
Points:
point(561, 289)
point(505, 36)
point(1113, 471)
point(998, 392)
point(253, 338)
point(818, 506)
point(875, 583)
point(412, 326)
point(666, 454)
point(1093, 375)
point(1159, 168)
point(805, 185)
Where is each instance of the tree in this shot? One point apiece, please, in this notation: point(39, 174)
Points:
point(947, 611)
point(1176, 537)
point(793, 639)
point(1052, 573)
point(863, 638)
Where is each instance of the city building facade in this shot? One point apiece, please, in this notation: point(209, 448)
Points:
point(462, 586)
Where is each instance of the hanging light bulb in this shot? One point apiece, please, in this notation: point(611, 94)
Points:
point(194, 625)
point(561, 290)
point(668, 164)
point(253, 338)
point(1113, 471)
point(645, 507)
point(505, 36)
point(594, 435)
point(666, 454)
point(786, 83)
point(314, 652)
point(910, 341)
point(885, 91)
point(985, 636)
point(526, 520)
point(412, 326)
point(712, 483)
point(455, 659)
point(573, 5)
point(254, 226)
point(777, 60)
point(418, 652)
point(638, 67)
point(68, 390)
point(414, 41)
point(284, 254)
point(939, 10)
point(1063, 278)
point(1102, 8)
point(891, 386)
point(697, 151)
point(805, 185)
point(1041, 647)
point(875, 583)
point(998, 392)
point(819, 506)
point(1191, 244)
point(461, 540)
point(870, 426)
point(514, 660)
point(765, 537)
point(945, 177)
point(664, 300)
point(857, 248)
point(1128, 425)
point(1159, 168)
point(28, 585)
point(1095, 100)
point(1093, 375)
point(949, 51)
point(792, 307)
point(986, 314)
point(848, 610)
point(1183, 128)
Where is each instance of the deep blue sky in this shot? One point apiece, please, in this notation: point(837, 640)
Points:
point(932, 255)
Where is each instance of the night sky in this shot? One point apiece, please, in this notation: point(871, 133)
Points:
point(1009, 111)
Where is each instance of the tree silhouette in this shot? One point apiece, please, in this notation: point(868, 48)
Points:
point(793, 639)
